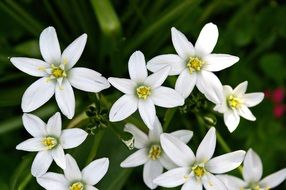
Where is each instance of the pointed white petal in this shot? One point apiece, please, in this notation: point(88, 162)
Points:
point(244, 112)
point(73, 52)
point(34, 67)
point(147, 112)
point(137, 67)
point(167, 97)
point(274, 179)
point(231, 182)
point(226, 162)
point(37, 94)
point(72, 172)
point(240, 89)
point(31, 145)
point(192, 184)
point(227, 90)
point(186, 83)
point(172, 178)
point(156, 79)
point(54, 125)
point(176, 150)
point(89, 187)
point(34, 125)
point(211, 182)
point(65, 99)
point(72, 138)
point(231, 119)
point(59, 156)
point(52, 180)
point(126, 86)
point(207, 147)
point(123, 108)
point(184, 135)
point(95, 171)
point(154, 134)
point(87, 80)
point(252, 167)
point(49, 46)
point(218, 62)
point(252, 99)
point(136, 159)
point(183, 47)
point(207, 39)
point(176, 63)
point(151, 170)
point(41, 163)
point(167, 162)
point(140, 138)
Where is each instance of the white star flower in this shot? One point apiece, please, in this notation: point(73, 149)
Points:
point(142, 92)
point(252, 173)
point(73, 178)
point(49, 140)
point(194, 172)
point(57, 74)
point(150, 152)
point(235, 103)
point(195, 65)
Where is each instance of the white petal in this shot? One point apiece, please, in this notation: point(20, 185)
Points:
point(184, 135)
point(240, 89)
point(147, 112)
point(72, 138)
point(34, 67)
point(37, 94)
point(49, 46)
point(73, 52)
point(34, 125)
point(231, 119)
point(218, 62)
point(244, 112)
point(167, 97)
point(172, 178)
point(252, 99)
point(207, 39)
point(226, 162)
point(192, 184)
point(151, 170)
point(156, 79)
point(31, 145)
point(41, 163)
point(176, 150)
point(227, 90)
point(87, 80)
point(140, 138)
point(54, 125)
point(252, 167)
point(154, 134)
point(72, 172)
point(137, 67)
point(126, 86)
point(136, 159)
point(65, 99)
point(207, 147)
point(123, 108)
point(274, 179)
point(54, 181)
point(176, 63)
point(167, 162)
point(183, 47)
point(89, 187)
point(211, 182)
point(231, 182)
point(186, 83)
point(58, 155)
point(95, 171)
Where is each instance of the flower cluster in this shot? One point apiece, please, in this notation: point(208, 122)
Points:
point(168, 160)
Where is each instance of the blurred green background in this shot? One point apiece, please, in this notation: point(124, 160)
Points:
point(254, 30)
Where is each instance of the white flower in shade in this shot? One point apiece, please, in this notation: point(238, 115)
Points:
point(150, 152)
point(142, 92)
point(49, 140)
point(57, 74)
point(194, 172)
point(235, 103)
point(252, 173)
point(195, 65)
point(73, 178)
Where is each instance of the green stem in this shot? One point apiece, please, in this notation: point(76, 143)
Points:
point(25, 182)
point(95, 145)
point(168, 118)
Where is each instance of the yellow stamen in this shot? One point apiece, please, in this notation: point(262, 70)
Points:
point(50, 142)
point(155, 152)
point(199, 171)
point(233, 102)
point(58, 72)
point(76, 186)
point(143, 92)
point(194, 64)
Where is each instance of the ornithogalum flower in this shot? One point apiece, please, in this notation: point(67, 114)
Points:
point(235, 104)
point(196, 171)
point(142, 92)
point(252, 173)
point(57, 74)
point(150, 152)
point(73, 178)
point(195, 65)
point(49, 140)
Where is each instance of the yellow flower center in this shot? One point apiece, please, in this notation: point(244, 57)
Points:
point(199, 171)
point(143, 92)
point(50, 142)
point(194, 64)
point(76, 186)
point(58, 72)
point(233, 102)
point(155, 152)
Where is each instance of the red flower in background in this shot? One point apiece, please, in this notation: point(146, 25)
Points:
point(277, 96)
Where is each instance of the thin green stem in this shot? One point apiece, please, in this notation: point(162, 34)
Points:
point(168, 118)
point(95, 145)
point(25, 182)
